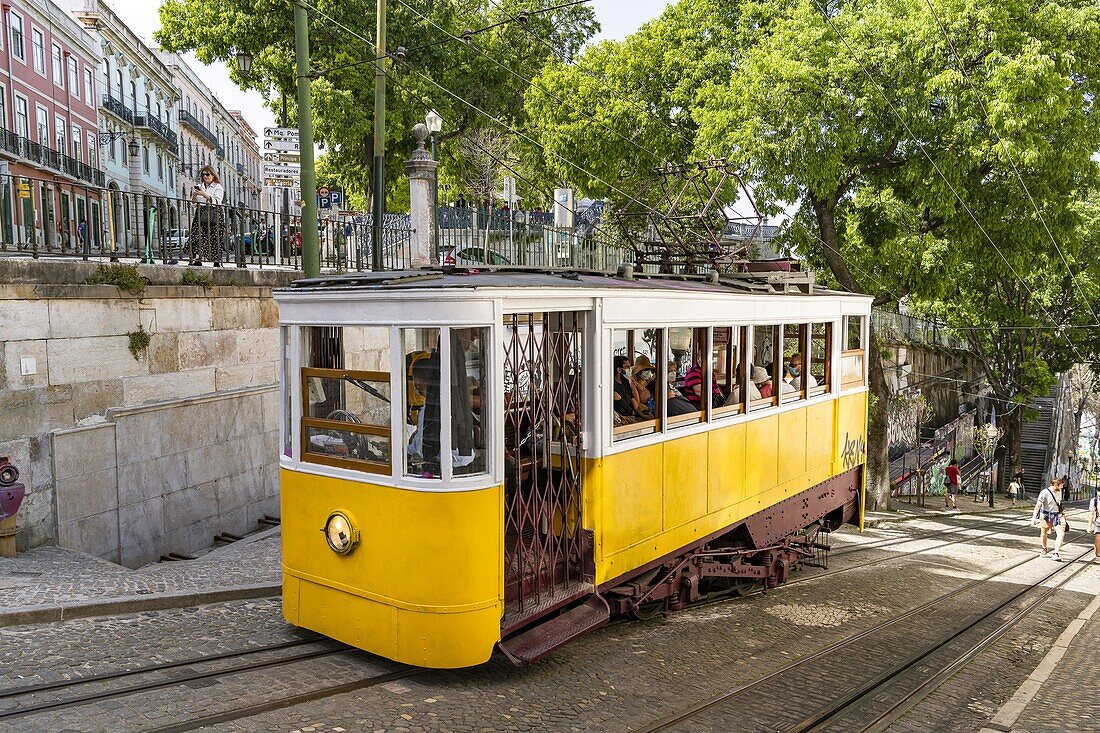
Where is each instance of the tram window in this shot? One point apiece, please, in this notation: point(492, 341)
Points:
point(851, 359)
point(819, 368)
point(287, 367)
point(765, 365)
point(470, 413)
point(792, 384)
point(728, 367)
point(346, 402)
point(422, 401)
point(688, 360)
point(637, 398)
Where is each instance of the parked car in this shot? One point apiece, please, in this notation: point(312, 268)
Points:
point(175, 243)
point(470, 256)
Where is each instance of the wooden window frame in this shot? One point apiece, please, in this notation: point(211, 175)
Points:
point(731, 366)
point(353, 464)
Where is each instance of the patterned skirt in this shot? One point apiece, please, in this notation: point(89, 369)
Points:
point(207, 236)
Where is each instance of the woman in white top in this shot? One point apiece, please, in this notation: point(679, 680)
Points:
point(208, 224)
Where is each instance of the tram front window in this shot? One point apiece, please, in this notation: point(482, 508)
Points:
point(422, 401)
point(469, 366)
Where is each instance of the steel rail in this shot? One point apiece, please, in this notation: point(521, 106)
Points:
point(669, 721)
point(22, 712)
point(105, 676)
point(820, 719)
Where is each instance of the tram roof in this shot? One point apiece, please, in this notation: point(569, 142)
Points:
point(762, 283)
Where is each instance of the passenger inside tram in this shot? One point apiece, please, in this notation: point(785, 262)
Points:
point(642, 379)
point(623, 395)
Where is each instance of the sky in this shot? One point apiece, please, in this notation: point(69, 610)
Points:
point(618, 18)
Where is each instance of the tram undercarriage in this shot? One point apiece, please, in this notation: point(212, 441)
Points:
point(759, 552)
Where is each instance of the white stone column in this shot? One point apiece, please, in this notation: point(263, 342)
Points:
point(422, 205)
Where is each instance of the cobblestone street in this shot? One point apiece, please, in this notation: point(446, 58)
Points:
point(623, 677)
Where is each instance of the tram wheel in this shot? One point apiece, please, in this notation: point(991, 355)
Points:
point(744, 588)
point(648, 611)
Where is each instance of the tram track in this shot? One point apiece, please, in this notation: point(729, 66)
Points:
point(818, 720)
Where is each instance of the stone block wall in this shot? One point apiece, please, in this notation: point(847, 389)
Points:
point(166, 477)
point(147, 417)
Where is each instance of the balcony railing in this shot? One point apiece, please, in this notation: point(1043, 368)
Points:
point(200, 129)
point(151, 122)
point(47, 157)
point(118, 108)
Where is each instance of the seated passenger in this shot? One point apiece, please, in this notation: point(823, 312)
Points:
point(641, 380)
point(677, 405)
point(735, 393)
point(794, 373)
point(623, 392)
point(763, 381)
point(693, 387)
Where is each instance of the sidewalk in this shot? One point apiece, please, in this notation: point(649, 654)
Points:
point(1059, 695)
point(51, 583)
point(933, 508)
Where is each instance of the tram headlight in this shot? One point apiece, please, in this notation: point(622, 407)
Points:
point(341, 536)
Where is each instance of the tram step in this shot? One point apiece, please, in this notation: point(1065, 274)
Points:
point(537, 642)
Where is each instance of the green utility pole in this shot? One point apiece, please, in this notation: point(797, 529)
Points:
point(379, 200)
point(311, 260)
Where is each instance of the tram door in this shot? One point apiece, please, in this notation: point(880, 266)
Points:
point(544, 547)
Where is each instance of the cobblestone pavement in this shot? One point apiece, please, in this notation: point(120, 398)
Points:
point(621, 677)
point(52, 575)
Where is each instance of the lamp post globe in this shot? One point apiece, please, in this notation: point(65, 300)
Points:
point(133, 147)
point(434, 122)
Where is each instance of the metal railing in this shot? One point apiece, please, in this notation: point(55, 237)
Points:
point(193, 122)
point(47, 157)
point(471, 237)
point(118, 108)
point(899, 326)
point(57, 219)
point(152, 122)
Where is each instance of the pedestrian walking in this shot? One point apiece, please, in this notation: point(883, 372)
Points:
point(208, 223)
point(1013, 490)
point(951, 488)
point(1094, 525)
point(1019, 478)
point(1047, 516)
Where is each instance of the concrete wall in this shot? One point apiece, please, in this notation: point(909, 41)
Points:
point(191, 414)
point(211, 465)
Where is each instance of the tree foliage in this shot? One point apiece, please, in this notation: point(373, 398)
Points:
point(341, 55)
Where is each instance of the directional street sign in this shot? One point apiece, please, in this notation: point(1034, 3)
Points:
point(282, 171)
point(281, 182)
point(284, 158)
point(289, 146)
point(285, 133)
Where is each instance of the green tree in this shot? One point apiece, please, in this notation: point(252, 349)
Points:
point(342, 57)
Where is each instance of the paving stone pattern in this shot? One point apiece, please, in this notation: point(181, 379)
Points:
point(52, 575)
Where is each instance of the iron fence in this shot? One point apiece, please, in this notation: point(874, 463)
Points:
point(47, 218)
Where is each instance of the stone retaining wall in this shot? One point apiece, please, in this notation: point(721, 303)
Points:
point(221, 340)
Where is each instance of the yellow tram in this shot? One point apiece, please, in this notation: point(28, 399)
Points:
point(480, 460)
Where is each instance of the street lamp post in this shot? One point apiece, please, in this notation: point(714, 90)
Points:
point(379, 201)
point(435, 125)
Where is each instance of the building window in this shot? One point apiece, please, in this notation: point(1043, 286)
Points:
point(74, 77)
point(111, 150)
point(160, 167)
point(148, 107)
point(145, 158)
point(89, 87)
point(91, 151)
point(38, 49)
point(58, 72)
point(43, 125)
point(59, 129)
point(3, 108)
point(78, 149)
point(22, 120)
point(118, 75)
point(18, 50)
point(133, 96)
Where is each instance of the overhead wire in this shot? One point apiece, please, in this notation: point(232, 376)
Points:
point(985, 110)
point(889, 103)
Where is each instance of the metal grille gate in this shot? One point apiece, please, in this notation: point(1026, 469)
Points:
point(544, 548)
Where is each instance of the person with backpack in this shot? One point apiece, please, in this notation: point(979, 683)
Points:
point(1048, 515)
point(1094, 521)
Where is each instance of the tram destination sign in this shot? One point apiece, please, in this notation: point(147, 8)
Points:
point(282, 133)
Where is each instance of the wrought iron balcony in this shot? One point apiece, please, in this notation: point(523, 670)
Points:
point(151, 122)
point(47, 157)
point(186, 118)
point(118, 108)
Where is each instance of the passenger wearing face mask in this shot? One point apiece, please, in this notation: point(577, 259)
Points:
point(794, 372)
point(641, 379)
point(623, 391)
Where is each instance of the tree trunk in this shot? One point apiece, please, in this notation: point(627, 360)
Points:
point(1012, 438)
point(876, 477)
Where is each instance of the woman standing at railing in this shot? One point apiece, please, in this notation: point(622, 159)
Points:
point(208, 223)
